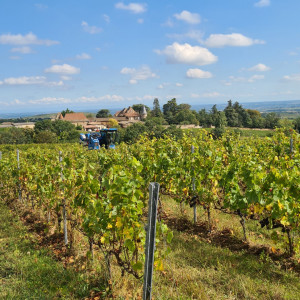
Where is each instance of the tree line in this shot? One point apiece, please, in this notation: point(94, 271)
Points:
point(45, 131)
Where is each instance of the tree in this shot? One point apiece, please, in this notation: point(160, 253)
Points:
point(231, 115)
point(186, 116)
point(113, 123)
point(103, 113)
point(16, 136)
point(220, 123)
point(256, 119)
point(63, 130)
point(170, 109)
point(42, 125)
point(204, 118)
point(183, 106)
point(67, 111)
point(60, 126)
point(139, 108)
point(271, 120)
point(297, 124)
point(45, 137)
point(132, 133)
point(156, 112)
point(214, 114)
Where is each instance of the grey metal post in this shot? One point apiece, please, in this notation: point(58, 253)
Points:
point(291, 145)
point(64, 204)
point(19, 183)
point(0, 155)
point(194, 188)
point(150, 239)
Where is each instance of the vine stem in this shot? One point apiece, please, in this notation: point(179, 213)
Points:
point(291, 244)
point(208, 218)
point(242, 221)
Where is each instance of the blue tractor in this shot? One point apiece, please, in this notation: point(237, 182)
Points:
point(105, 138)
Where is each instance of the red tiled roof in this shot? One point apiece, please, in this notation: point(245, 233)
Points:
point(127, 112)
point(75, 117)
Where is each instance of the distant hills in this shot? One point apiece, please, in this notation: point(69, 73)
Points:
point(263, 107)
point(287, 108)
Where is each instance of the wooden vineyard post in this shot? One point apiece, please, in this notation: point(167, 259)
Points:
point(64, 203)
point(150, 239)
point(193, 188)
point(19, 183)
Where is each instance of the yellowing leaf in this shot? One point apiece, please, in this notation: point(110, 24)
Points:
point(269, 207)
point(159, 265)
point(119, 222)
point(284, 221)
point(273, 250)
point(280, 205)
point(109, 226)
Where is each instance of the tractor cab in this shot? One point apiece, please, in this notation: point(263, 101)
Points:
point(108, 137)
point(93, 141)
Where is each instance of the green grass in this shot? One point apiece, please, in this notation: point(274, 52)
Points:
point(200, 265)
point(27, 272)
point(203, 266)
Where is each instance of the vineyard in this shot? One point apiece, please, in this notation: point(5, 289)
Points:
point(103, 195)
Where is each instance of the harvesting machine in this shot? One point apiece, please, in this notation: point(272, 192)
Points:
point(105, 138)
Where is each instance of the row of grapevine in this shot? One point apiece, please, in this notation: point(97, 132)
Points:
point(105, 192)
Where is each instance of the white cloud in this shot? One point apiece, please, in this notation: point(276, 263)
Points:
point(262, 3)
point(30, 80)
point(83, 99)
point(138, 74)
point(90, 29)
point(55, 83)
point(66, 78)
point(255, 78)
point(198, 73)
point(244, 79)
point(23, 50)
point(293, 77)
point(207, 95)
point(179, 84)
point(28, 39)
point(50, 100)
point(136, 8)
point(168, 23)
point(196, 35)
point(259, 68)
point(63, 69)
point(187, 54)
point(83, 56)
point(24, 80)
point(140, 21)
point(234, 40)
point(188, 17)
point(293, 53)
point(106, 18)
point(13, 102)
point(237, 79)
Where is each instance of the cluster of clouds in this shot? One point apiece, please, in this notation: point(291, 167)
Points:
point(194, 56)
point(64, 71)
point(262, 3)
point(30, 80)
point(136, 75)
point(79, 100)
point(135, 8)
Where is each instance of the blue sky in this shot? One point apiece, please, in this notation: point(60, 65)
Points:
point(94, 54)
